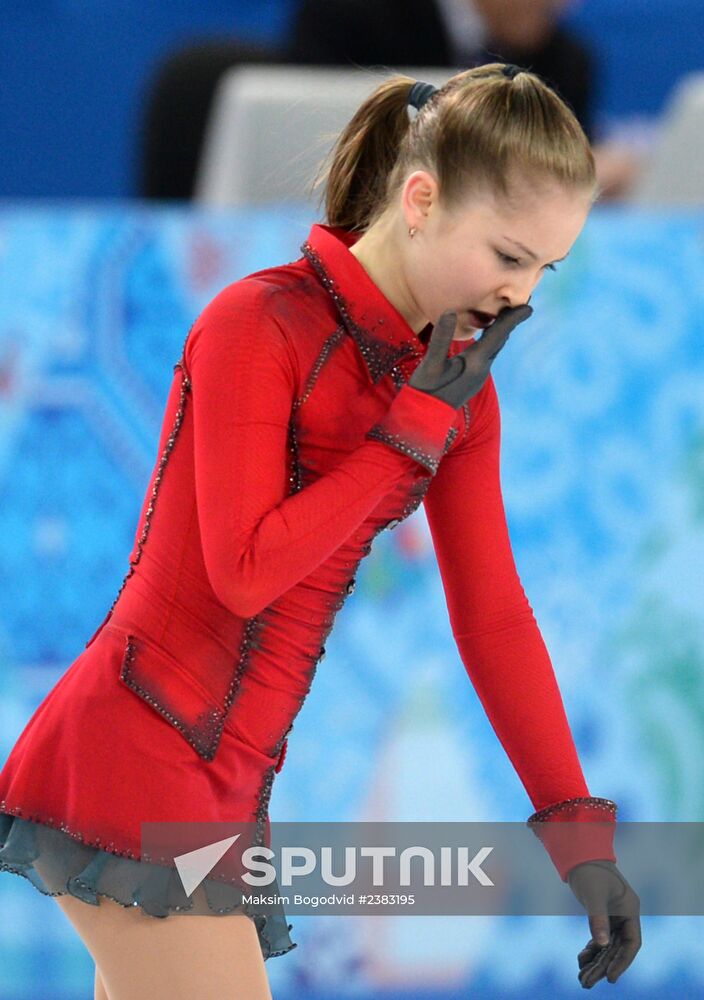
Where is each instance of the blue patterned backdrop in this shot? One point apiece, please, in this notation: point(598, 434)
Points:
point(602, 399)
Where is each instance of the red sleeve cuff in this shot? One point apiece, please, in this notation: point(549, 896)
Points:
point(419, 425)
point(576, 830)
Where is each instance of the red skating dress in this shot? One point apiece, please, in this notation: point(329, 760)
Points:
point(290, 440)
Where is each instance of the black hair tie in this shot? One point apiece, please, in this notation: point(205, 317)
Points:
point(510, 70)
point(420, 93)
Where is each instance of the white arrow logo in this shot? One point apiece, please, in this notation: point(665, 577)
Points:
point(194, 866)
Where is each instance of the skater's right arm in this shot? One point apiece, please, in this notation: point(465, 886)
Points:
point(259, 540)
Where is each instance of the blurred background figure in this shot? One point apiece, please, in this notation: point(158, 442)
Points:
point(464, 33)
point(176, 113)
point(450, 33)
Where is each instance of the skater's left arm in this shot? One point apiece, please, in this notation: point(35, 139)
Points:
point(492, 621)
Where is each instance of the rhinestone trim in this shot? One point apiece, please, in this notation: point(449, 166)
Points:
point(178, 419)
point(281, 748)
point(333, 341)
point(378, 433)
point(415, 497)
point(589, 802)
point(203, 739)
point(379, 355)
point(450, 437)
point(296, 471)
point(206, 734)
point(58, 825)
point(295, 477)
point(263, 797)
point(398, 377)
point(250, 634)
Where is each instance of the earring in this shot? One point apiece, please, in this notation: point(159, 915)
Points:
point(412, 231)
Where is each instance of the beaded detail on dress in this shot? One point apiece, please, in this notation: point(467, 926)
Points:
point(62, 828)
point(380, 356)
point(204, 736)
point(605, 806)
point(296, 471)
point(377, 432)
point(185, 388)
point(333, 341)
point(201, 742)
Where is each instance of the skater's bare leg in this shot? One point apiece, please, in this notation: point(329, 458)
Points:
point(176, 957)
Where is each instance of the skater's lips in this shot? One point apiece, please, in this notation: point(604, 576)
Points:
point(481, 318)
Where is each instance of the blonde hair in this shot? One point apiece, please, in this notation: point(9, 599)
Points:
point(479, 129)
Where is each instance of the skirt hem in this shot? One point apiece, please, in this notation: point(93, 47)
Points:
point(68, 866)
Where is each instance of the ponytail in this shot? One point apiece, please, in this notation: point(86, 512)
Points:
point(364, 156)
point(478, 130)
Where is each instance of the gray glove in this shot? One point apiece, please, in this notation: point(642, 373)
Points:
point(614, 920)
point(456, 379)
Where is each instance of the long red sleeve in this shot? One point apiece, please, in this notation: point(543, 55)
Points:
point(501, 646)
point(492, 621)
point(257, 540)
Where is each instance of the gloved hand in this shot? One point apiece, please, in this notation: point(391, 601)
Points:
point(456, 379)
point(614, 920)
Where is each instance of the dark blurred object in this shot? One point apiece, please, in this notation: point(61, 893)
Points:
point(452, 33)
point(176, 113)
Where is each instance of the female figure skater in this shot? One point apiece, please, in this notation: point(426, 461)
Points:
point(315, 404)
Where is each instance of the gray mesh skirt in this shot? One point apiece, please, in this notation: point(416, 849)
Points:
point(58, 864)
